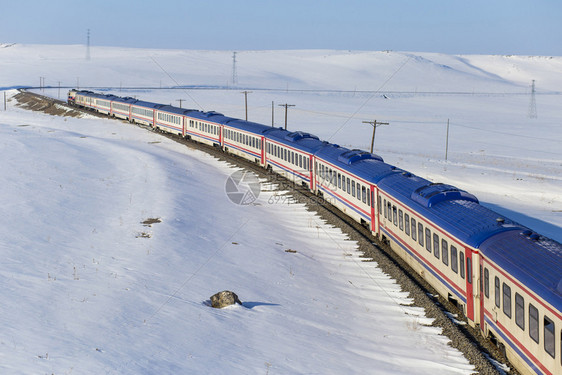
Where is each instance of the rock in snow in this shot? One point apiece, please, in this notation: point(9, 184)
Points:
point(223, 299)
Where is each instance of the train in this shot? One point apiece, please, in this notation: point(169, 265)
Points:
point(504, 277)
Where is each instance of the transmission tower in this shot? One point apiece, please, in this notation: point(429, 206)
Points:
point(234, 75)
point(88, 45)
point(533, 104)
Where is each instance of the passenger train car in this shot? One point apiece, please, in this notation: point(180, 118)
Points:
point(505, 278)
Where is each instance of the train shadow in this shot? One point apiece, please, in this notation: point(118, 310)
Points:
point(542, 227)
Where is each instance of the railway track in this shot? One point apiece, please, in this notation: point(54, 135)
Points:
point(479, 351)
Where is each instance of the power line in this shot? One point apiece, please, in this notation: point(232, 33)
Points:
point(176, 82)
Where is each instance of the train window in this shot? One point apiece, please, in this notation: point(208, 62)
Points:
point(445, 252)
point(549, 336)
point(454, 263)
point(534, 323)
point(293, 160)
point(469, 270)
point(520, 311)
point(300, 161)
point(497, 291)
point(394, 216)
point(506, 300)
point(407, 224)
point(369, 193)
point(400, 220)
point(359, 195)
point(348, 182)
point(353, 188)
point(379, 203)
point(420, 234)
point(285, 153)
point(436, 245)
point(385, 215)
point(461, 260)
point(413, 229)
point(339, 180)
point(486, 282)
point(428, 239)
point(389, 209)
point(364, 194)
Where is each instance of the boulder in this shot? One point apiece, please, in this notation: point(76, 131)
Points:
point(223, 299)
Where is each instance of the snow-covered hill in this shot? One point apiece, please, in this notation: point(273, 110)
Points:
point(89, 289)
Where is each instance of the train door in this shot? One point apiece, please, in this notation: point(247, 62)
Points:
point(311, 167)
point(481, 293)
point(469, 282)
point(262, 151)
point(373, 209)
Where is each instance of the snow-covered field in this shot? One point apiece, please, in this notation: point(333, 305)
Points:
point(89, 289)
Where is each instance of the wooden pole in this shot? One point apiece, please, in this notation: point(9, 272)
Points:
point(246, 101)
point(374, 124)
point(286, 107)
point(447, 141)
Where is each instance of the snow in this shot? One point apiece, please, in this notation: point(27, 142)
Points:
point(89, 289)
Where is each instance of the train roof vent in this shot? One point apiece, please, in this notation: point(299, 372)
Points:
point(353, 156)
point(295, 136)
point(211, 113)
point(434, 193)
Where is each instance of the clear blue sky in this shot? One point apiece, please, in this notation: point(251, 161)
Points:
point(524, 27)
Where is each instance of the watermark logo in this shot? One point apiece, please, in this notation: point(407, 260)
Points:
point(242, 187)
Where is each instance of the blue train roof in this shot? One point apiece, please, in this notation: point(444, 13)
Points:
point(533, 260)
point(252, 127)
point(142, 103)
point(176, 110)
point(127, 100)
point(215, 117)
point(456, 211)
point(300, 140)
point(365, 165)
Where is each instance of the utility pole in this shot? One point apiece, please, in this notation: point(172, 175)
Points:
point(375, 124)
point(272, 113)
point(59, 91)
point(234, 75)
point(533, 103)
point(286, 106)
point(447, 141)
point(180, 100)
point(4, 100)
point(88, 45)
point(246, 101)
